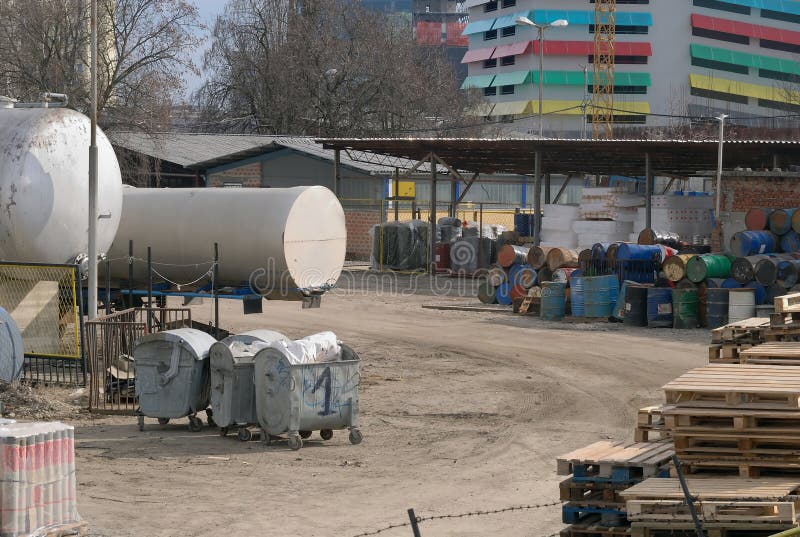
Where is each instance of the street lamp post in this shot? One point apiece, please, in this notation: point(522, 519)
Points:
point(721, 120)
point(560, 23)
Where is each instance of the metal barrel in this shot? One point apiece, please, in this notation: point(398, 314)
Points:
point(487, 293)
point(636, 305)
point(787, 274)
point(790, 241)
point(618, 310)
point(686, 308)
point(523, 275)
point(523, 224)
point(766, 270)
point(562, 258)
point(743, 268)
point(496, 275)
point(537, 256)
point(659, 307)
point(741, 304)
point(773, 291)
point(503, 294)
point(511, 254)
point(639, 252)
point(675, 267)
point(611, 253)
point(713, 283)
point(517, 292)
point(730, 283)
point(653, 236)
point(563, 275)
point(576, 296)
point(599, 250)
point(553, 301)
point(745, 243)
point(700, 267)
point(757, 219)
point(545, 275)
point(717, 300)
point(780, 221)
point(443, 256)
point(686, 284)
point(599, 295)
point(759, 291)
point(796, 221)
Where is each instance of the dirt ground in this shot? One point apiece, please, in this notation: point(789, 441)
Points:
point(460, 412)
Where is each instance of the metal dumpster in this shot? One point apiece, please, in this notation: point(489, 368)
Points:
point(232, 390)
point(297, 398)
point(172, 376)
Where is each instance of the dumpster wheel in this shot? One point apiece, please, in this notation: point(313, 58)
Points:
point(305, 434)
point(295, 442)
point(326, 434)
point(163, 421)
point(244, 434)
point(195, 424)
point(355, 436)
point(223, 431)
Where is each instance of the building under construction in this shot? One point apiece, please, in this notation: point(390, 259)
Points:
point(653, 63)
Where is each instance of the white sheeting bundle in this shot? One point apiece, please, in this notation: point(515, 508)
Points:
point(321, 347)
point(37, 477)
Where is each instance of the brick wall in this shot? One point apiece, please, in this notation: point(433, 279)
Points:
point(359, 222)
point(740, 194)
point(249, 176)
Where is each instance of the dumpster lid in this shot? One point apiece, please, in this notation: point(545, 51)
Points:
point(196, 340)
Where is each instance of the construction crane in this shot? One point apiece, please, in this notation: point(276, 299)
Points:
point(605, 35)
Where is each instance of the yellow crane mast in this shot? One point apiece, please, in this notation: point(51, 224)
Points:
point(605, 35)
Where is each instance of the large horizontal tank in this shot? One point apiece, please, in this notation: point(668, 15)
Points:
point(44, 186)
point(284, 242)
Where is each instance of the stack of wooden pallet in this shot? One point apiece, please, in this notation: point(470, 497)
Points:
point(727, 342)
point(650, 425)
point(741, 419)
point(726, 506)
point(599, 472)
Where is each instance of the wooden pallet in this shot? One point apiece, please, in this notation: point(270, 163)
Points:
point(687, 529)
point(616, 462)
point(592, 528)
point(592, 493)
point(650, 425)
point(748, 330)
point(772, 353)
point(736, 386)
point(730, 466)
point(684, 420)
point(738, 443)
point(788, 303)
point(784, 320)
point(726, 353)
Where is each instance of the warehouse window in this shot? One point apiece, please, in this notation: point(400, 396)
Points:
point(509, 3)
point(626, 60)
point(637, 2)
point(722, 6)
point(490, 91)
point(777, 75)
point(624, 90)
point(721, 66)
point(488, 64)
point(508, 60)
point(777, 15)
point(777, 45)
point(507, 90)
point(489, 6)
point(636, 119)
point(491, 34)
point(788, 107)
point(721, 36)
point(509, 31)
point(719, 96)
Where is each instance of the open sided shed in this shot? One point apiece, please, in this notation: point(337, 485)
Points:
point(469, 158)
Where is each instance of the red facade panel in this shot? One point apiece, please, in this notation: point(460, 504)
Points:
point(477, 55)
point(745, 29)
point(586, 48)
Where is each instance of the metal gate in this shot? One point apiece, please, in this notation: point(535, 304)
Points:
point(45, 302)
point(109, 345)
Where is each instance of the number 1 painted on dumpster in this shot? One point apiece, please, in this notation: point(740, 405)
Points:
point(325, 377)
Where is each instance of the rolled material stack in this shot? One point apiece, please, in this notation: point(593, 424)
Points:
point(37, 477)
point(557, 226)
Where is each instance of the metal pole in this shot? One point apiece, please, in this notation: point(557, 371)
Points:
point(130, 273)
point(537, 197)
point(414, 524)
point(214, 285)
point(688, 497)
point(648, 200)
point(541, 79)
point(396, 194)
point(432, 238)
point(336, 171)
point(547, 188)
point(480, 237)
point(92, 282)
point(149, 290)
point(81, 326)
point(108, 288)
point(721, 120)
point(584, 106)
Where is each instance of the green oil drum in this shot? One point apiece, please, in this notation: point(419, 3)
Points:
point(705, 266)
point(685, 308)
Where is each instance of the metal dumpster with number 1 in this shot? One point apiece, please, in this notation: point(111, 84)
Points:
point(322, 396)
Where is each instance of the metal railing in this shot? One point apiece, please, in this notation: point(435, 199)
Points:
point(109, 344)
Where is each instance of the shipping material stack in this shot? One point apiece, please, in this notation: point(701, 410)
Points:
point(37, 480)
point(599, 473)
point(688, 216)
point(726, 506)
point(607, 215)
point(557, 223)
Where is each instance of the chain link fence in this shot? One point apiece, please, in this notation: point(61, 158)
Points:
point(45, 301)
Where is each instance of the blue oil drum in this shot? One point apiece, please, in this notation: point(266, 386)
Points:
point(639, 252)
point(553, 301)
point(576, 296)
point(745, 243)
point(790, 242)
point(523, 224)
point(599, 295)
point(503, 294)
point(717, 299)
point(730, 283)
point(759, 290)
point(524, 275)
point(659, 307)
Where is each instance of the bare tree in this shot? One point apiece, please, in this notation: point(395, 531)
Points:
point(144, 50)
point(332, 68)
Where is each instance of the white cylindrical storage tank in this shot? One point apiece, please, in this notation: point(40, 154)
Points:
point(283, 242)
point(44, 186)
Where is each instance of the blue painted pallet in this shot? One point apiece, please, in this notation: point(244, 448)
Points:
point(574, 514)
point(593, 473)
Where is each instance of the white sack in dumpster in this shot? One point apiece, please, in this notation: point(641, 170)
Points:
point(321, 347)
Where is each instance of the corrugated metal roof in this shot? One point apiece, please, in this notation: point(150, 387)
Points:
point(204, 151)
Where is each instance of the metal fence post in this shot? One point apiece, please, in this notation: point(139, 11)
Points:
point(79, 292)
point(214, 284)
point(414, 525)
point(130, 273)
point(149, 290)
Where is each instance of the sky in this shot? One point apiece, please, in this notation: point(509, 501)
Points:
point(209, 9)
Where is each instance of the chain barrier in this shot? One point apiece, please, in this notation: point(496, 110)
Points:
point(421, 519)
